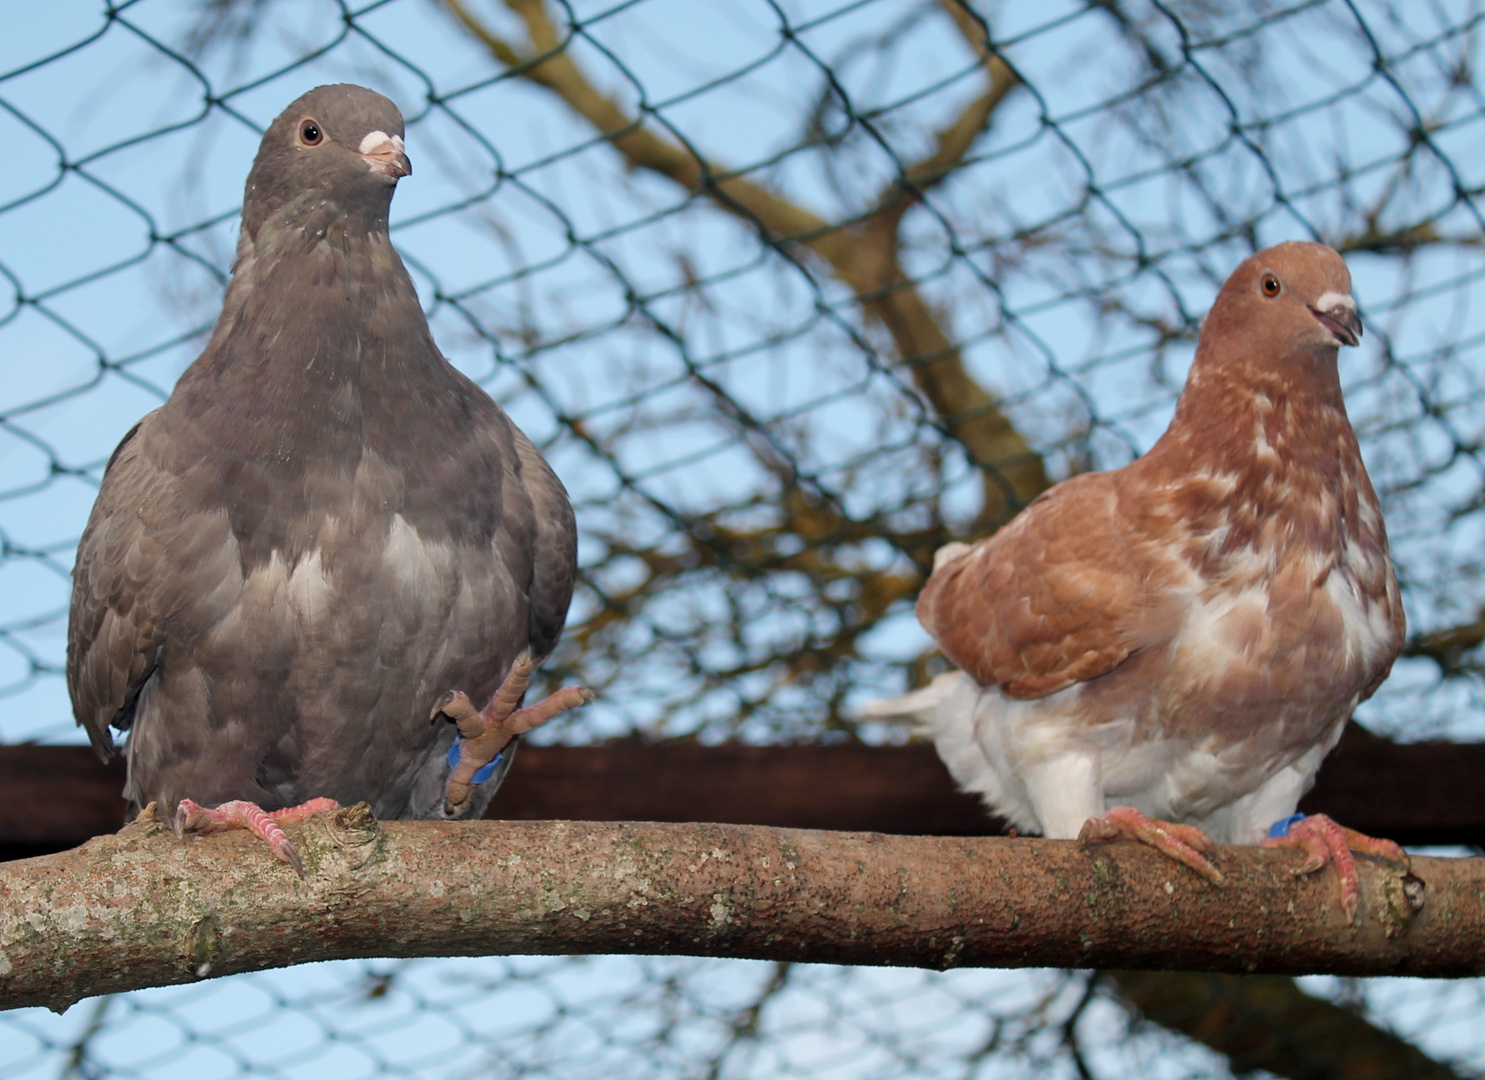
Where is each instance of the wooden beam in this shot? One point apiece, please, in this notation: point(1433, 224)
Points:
point(849, 788)
point(55, 797)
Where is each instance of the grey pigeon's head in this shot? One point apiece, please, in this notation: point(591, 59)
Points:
point(333, 156)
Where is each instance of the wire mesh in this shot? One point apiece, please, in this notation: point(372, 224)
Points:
point(790, 293)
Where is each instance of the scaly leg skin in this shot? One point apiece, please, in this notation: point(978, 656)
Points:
point(264, 824)
point(484, 733)
point(1326, 842)
point(1184, 843)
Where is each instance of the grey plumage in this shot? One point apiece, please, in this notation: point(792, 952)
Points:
point(325, 527)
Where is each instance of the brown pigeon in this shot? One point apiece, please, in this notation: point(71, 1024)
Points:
point(1184, 637)
point(327, 533)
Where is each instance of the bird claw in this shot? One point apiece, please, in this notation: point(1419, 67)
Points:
point(455, 705)
point(289, 854)
point(485, 733)
point(240, 814)
point(1183, 843)
point(1324, 841)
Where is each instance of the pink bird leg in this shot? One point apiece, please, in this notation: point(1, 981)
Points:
point(264, 824)
point(1326, 842)
point(484, 733)
point(1184, 843)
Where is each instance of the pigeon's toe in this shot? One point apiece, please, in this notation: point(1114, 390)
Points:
point(484, 735)
point(1323, 841)
point(266, 825)
point(1183, 843)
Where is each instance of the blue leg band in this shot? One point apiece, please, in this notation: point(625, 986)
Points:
point(486, 771)
point(1281, 828)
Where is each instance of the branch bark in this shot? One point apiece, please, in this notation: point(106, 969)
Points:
point(863, 254)
point(142, 908)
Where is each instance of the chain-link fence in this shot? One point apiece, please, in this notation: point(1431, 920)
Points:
point(790, 293)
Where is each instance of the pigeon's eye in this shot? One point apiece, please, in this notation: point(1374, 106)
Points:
point(1270, 285)
point(310, 134)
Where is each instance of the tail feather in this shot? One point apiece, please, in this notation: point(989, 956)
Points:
point(945, 712)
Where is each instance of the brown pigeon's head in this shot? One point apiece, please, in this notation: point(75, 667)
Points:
point(1295, 297)
point(335, 154)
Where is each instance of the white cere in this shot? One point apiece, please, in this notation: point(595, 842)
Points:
point(377, 139)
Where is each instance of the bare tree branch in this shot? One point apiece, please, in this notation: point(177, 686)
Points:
point(1267, 1022)
point(142, 908)
point(863, 255)
point(952, 142)
point(550, 66)
point(1448, 647)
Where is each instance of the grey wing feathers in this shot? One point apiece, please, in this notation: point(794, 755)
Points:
point(111, 632)
point(556, 548)
point(142, 557)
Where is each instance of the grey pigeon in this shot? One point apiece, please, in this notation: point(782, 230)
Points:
point(327, 541)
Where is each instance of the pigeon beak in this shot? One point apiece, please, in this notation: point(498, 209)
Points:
point(1337, 313)
point(384, 154)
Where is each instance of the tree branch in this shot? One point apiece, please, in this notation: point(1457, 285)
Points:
point(1448, 647)
point(142, 908)
point(1267, 1022)
point(863, 255)
point(550, 66)
point(952, 142)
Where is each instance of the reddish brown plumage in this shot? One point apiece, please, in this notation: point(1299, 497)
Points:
point(1260, 458)
point(1189, 633)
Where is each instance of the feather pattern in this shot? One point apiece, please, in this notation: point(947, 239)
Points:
point(324, 528)
point(1186, 635)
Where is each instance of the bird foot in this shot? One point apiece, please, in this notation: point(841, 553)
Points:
point(484, 733)
point(241, 814)
point(1184, 843)
point(1323, 841)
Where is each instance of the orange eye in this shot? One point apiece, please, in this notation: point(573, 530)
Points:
point(1270, 285)
point(310, 134)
